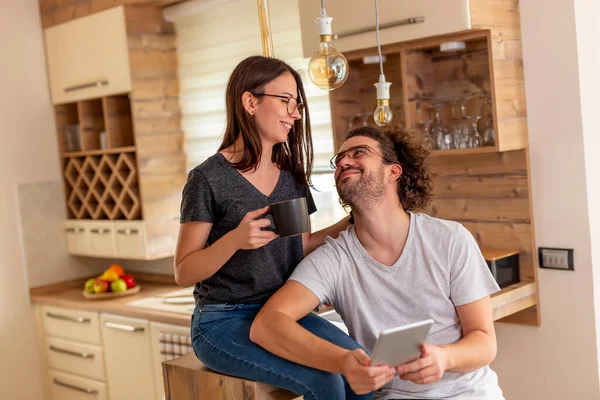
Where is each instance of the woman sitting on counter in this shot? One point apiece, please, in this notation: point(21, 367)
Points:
point(266, 157)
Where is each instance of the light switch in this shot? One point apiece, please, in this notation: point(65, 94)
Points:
point(556, 258)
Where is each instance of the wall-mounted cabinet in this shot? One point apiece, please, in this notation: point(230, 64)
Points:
point(120, 141)
point(452, 97)
point(88, 58)
point(118, 239)
point(400, 20)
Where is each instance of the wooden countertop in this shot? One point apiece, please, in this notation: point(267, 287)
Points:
point(69, 295)
point(508, 301)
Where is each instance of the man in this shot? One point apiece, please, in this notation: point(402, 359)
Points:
point(392, 267)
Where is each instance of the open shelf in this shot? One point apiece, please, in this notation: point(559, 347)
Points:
point(462, 152)
point(115, 150)
point(95, 125)
point(513, 299)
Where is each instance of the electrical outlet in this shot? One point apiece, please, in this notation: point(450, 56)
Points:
point(556, 258)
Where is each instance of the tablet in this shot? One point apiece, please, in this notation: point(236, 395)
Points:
point(400, 345)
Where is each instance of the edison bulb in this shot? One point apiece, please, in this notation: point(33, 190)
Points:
point(328, 68)
point(383, 113)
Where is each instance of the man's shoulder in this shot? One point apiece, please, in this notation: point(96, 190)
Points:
point(436, 226)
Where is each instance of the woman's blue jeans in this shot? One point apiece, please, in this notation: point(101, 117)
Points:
point(221, 340)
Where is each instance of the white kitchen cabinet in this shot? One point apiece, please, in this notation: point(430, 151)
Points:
point(78, 237)
point(128, 356)
point(65, 386)
point(88, 57)
point(130, 237)
point(438, 16)
point(77, 325)
point(168, 342)
point(102, 238)
point(114, 239)
point(77, 358)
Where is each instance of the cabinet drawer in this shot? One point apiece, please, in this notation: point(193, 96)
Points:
point(65, 386)
point(88, 57)
point(77, 237)
point(102, 238)
point(128, 355)
point(130, 238)
point(78, 358)
point(440, 16)
point(77, 325)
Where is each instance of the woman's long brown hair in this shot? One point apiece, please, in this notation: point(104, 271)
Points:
point(296, 154)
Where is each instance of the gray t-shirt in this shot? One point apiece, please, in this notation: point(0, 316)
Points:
point(216, 192)
point(441, 267)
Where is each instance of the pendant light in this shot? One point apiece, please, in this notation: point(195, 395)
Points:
point(383, 113)
point(328, 68)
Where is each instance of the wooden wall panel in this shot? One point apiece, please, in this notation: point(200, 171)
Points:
point(157, 122)
point(56, 12)
point(490, 195)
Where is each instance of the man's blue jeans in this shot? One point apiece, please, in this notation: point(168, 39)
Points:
point(221, 340)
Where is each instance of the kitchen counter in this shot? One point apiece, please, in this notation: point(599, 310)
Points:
point(69, 295)
point(508, 301)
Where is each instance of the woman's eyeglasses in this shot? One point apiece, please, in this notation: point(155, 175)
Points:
point(354, 153)
point(291, 103)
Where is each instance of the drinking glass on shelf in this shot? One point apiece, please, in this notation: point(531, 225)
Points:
point(438, 130)
point(486, 124)
point(428, 142)
point(73, 134)
point(458, 127)
point(475, 138)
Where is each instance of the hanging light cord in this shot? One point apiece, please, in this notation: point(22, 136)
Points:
point(377, 36)
point(322, 8)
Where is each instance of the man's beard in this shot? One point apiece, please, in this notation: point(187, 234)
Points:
point(364, 193)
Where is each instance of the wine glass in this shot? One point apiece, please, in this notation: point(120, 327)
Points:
point(475, 137)
point(438, 130)
point(458, 126)
point(486, 124)
point(428, 142)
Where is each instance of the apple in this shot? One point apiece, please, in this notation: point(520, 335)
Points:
point(118, 286)
point(101, 286)
point(129, 280)
point(89, 285)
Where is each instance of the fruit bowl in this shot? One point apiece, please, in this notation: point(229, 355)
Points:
point(111, 295)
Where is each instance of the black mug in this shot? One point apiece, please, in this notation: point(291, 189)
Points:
point(290, 217)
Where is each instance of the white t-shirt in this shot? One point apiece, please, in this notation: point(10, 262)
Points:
point(441, 267)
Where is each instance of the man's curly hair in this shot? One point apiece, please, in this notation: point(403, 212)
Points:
point(415, 185)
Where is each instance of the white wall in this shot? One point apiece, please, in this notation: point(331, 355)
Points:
point(588, 37)
point(28, 153)
point(559, 360)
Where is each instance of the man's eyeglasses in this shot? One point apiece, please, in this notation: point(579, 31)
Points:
point(291, 103)
point(354, 153)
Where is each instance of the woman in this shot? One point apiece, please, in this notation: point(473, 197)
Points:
point(223, 247)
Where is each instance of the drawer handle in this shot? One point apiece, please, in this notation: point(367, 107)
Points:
point(68, 385)
point(405, 21)
point(123, 327)
point(75, 230)
point(81, 320)
point(103, 82)
point(71, 353)
point(128, 231)
point(100, 231)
